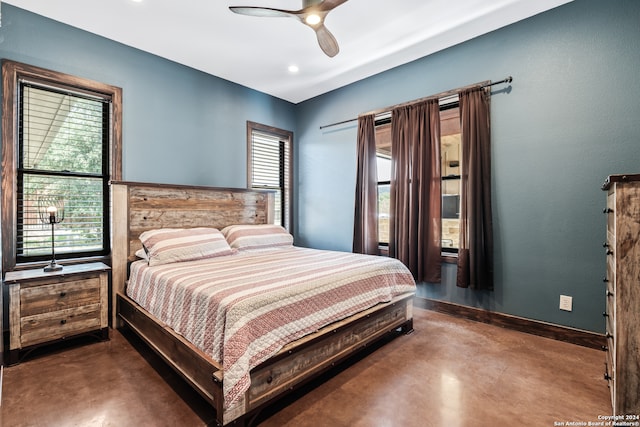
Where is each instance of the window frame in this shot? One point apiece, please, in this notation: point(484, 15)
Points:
point(287, 192)
point(448, 104)
point(383, 247)
point(12, 73)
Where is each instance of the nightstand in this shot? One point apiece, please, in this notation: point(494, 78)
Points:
point(49, 307)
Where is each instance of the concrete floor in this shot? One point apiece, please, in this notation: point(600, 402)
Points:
point(449, 372)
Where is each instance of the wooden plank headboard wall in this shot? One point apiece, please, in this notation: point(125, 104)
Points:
point(137, 207)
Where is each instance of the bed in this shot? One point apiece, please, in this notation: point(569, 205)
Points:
point(301, 349)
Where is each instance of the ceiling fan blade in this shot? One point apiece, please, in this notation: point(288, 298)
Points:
point(320, 9)
point(263, 12)
point(327, 41)
point(331, 4)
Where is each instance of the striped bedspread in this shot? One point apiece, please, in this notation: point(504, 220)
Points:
point(242, 309)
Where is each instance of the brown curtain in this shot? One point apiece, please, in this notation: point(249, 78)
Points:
point(365, 223)
point(475, 254)
point(415, 224)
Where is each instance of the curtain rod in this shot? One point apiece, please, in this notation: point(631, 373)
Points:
point(436, 96)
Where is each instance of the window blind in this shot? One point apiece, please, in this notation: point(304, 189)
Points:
point(63, 151)
point(270, 170)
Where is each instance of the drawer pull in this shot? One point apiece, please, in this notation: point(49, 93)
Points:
point(605, 280)
point(608, 293)
point(607, 210)
point(605, 245)
point(605, 348)
point(63, 321)
point(605, 314)
point(607, 376)
point(63, 294)
point(269, 379)
point(609, 252)
point(608, 335)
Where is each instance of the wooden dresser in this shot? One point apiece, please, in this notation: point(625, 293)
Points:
point(47, 307)
point(622, 369)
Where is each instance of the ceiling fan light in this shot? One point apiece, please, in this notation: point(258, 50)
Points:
point(312, 19)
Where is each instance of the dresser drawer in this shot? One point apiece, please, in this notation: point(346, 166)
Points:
point(59, 296)
point(611, 273)
point(611, 215)
point(610, 317)
point(609, 376)
point(610, 325)
point(44, 327)
point(610, 357)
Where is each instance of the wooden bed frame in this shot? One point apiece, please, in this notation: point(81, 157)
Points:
point(140, 206)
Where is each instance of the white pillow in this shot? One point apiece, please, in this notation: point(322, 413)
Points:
point(257, 236)
point(141, 253)
point(168, 245)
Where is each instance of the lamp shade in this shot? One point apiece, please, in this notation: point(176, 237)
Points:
point(51, 209)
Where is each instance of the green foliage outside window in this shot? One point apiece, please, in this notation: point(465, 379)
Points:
point(62, 154)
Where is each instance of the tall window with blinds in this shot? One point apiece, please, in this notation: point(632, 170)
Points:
point(269, 167)
point(63, 142)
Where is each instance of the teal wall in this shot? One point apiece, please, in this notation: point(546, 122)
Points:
point(570, 118)
point(179, 125)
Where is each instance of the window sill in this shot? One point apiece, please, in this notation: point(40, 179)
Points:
point(67, 261)
point(449, 257)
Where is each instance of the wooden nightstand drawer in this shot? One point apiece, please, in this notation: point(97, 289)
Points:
point(59, 296)
point(59, 324)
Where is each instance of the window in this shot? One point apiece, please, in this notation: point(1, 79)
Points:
point(61, 138)
point(270, 156)
point(450, 157)
point(383, 165)
point(450, 170)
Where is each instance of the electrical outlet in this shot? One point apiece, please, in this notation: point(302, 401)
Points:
point(566, 303)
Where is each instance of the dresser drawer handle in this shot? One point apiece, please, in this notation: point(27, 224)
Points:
point(605, 348)
point(608, 293)
point(605, 280)
point(607, 210)
point(605, 314)
point(608, 335)
point(63, 322)
point(269, 379)
point(607, 376)
point(63, 294)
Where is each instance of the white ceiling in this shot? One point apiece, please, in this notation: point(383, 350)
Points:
point(374, 35)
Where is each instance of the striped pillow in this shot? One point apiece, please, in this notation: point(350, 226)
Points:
point(257, 236)
point(168, 245)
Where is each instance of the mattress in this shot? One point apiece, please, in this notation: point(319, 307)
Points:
point(241, 309)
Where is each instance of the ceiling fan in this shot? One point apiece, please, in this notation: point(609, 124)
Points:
point(312, 14)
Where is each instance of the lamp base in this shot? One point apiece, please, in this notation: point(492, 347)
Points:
point(53, 266)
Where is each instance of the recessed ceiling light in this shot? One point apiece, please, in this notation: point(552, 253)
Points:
point(293, 69)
